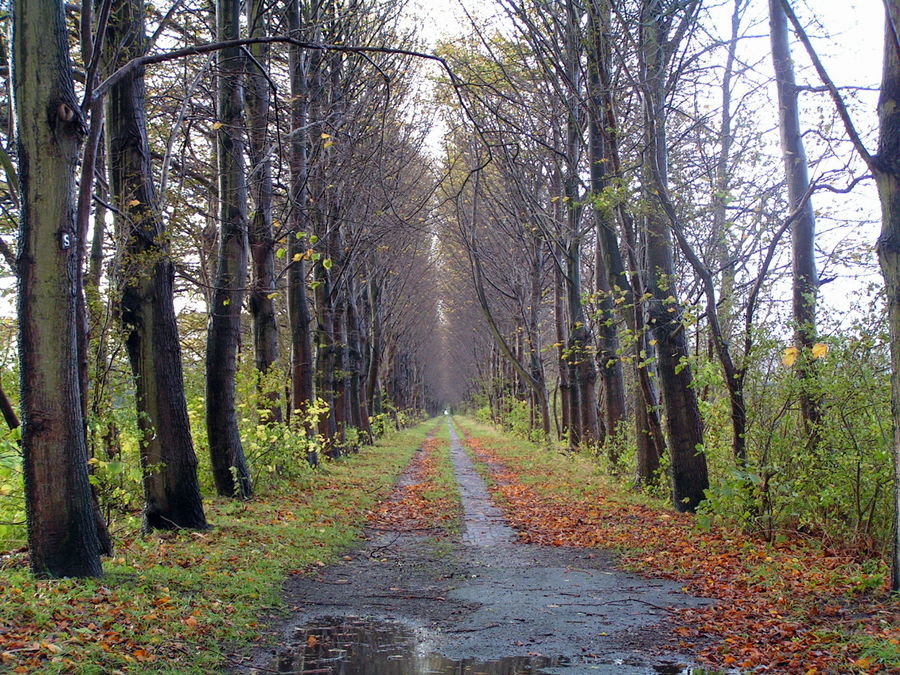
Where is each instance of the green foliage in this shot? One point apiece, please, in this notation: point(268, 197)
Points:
point(837, 486)
point(12, 499)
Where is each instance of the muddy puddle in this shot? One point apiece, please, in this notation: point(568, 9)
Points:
point(348, 646)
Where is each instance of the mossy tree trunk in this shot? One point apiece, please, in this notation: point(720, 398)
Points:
point(887, 174)
point(63, 534)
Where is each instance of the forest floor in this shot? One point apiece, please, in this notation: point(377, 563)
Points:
point(442, 584)
point(439, 585)
point(184, 602)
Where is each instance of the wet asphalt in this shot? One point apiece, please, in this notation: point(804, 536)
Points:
point(418, 602)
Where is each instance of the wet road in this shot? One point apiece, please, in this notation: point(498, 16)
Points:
point(413, 603)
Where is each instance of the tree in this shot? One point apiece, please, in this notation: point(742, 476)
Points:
point(662, 31)
point(302, 364)
point(62, 529)
point(171, 487)
point(260, 234)
point(803, 230)
point(230, 470)
point(885, 166)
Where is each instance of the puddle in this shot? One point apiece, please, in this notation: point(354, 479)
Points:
point(345, 646)
point(349, 646)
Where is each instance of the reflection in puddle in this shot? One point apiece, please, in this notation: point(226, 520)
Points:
point(354, 646)
point(348, 646)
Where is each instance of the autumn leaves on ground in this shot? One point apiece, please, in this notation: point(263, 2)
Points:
point(192, 602)
point(793, 606)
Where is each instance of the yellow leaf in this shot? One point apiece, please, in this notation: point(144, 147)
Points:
point(297, 257)
point(134, 202)
point(217, 125)
point(819, 350)
point(328, 144)
point(789, 357)
point(326, 135)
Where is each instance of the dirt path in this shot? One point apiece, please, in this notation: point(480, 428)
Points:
point(411, 602)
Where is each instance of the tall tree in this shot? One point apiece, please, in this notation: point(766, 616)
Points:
point(609, 271)
point(171, 487)
point(662, 29)
point(886, 166)
point(302, 365)
point(262, 243)
point(581, 350)
point(62, 531)
point(230, 470)
point(803, 229)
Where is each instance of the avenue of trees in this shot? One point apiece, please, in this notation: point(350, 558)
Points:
point(220, 255)
point(655, 184)
point(236, 250)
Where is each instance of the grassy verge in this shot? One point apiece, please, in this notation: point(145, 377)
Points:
point(792, 606)
point(431, 501)
point(168, 602)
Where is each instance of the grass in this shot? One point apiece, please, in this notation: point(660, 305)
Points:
point(169, 602)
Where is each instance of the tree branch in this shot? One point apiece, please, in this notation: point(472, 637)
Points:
point(867, 157)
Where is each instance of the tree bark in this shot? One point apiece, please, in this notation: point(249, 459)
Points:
point(581, 352)
point(299, 314)
point(171, 487)
point(803, 228)
point(606, 277)
point(690, 477)
point(262, 243)
point(887, 174)
point(63, 536)
point(230, 470)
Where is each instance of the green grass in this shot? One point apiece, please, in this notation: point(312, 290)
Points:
point(169, 602)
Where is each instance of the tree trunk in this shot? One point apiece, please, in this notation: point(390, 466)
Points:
point(63, 536)
point(171, 488)
point(887, 174)
point(803, 228)
point(262, 243)
point(230, 470)
point(298, 304)
point(608, 347)
point(7, 409)
point(583, 372)
point(358, 407)
point(688, 462)
point(373, 377)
